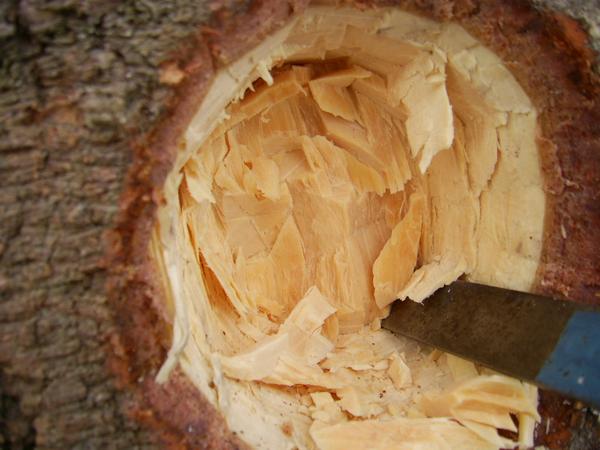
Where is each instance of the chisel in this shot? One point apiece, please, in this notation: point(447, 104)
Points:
point(552, 343)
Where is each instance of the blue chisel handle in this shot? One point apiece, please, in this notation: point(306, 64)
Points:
point(574, 365)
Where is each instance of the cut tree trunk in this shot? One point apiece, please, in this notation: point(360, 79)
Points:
point(80, 83)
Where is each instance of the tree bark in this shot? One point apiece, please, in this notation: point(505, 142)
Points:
point(79, 80)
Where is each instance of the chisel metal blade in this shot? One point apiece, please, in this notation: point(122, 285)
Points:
point(553, 343)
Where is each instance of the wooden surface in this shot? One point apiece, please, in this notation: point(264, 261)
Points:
point(78, 80)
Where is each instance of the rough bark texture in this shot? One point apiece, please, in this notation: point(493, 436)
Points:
point(78, 79)
point(79, 82)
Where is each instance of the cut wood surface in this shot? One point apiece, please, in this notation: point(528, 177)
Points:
point(81, 83)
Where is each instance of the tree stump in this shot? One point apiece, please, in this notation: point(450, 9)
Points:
point(80, 83)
